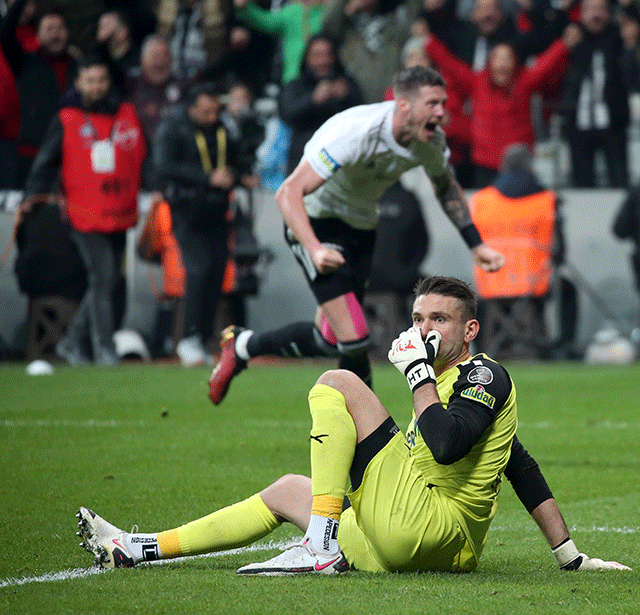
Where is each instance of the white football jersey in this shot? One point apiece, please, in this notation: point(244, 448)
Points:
point(357, 155)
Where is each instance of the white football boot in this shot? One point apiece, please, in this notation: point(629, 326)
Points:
point(104, 540)
point(299, 559)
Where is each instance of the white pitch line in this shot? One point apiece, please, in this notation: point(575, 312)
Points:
point(608, 425)
point(604, 529)
point(604, 425)
point(82, 424)
point(64, 575)
point(81, 573)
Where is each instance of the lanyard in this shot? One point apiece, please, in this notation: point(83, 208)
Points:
point(203, 150)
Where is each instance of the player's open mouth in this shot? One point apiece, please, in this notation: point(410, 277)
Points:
point(430, 126)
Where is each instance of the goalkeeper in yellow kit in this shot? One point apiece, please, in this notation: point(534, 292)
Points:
point(423, 501)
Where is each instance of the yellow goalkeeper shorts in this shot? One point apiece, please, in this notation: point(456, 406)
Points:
point(398, 522)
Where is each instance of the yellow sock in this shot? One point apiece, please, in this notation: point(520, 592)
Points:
point(333, 442)
point(231, 527)
point(327, 506)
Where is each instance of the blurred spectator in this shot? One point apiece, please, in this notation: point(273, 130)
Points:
point(114, 34)
point(627, 226)
point(245, 129)
point(154, 93)
point(140, 16)
point(293, 23)
point(520, 217)
point(196, 165)
point(196, 30)
point(249, 58)
point(9, 125)
point(596, 97)
point(372, 35)
point(26, 30)
point(97, 150)
point(41, 76)
point(322, 90)
point(402, 244)
point(489, 24)
point(501, 97)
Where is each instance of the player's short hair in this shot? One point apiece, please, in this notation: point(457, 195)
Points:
point(450, 287)
point(407, 81)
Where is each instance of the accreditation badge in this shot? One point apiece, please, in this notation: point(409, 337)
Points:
point(103, 156)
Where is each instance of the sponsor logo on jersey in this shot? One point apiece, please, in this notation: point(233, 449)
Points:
point(478, 393)
point(328, 161)
point(481, 375)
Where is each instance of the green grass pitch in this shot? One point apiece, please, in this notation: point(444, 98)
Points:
point(142, 444)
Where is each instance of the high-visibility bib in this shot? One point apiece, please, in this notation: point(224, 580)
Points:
point(522, 230)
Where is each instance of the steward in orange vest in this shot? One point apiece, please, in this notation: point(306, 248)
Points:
point(516, 216)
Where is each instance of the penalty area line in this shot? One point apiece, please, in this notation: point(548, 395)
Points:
point(82, 573)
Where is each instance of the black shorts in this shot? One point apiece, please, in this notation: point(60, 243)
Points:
point(357, 248)
point(368, 448)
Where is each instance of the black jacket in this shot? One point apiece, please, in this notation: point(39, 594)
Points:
point(180, 175)
point(36, 80)
point(616, 86)
point(627, 226)
point(303, 116)
point(461, 35)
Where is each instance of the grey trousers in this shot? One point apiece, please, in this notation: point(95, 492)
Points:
point(103, 257)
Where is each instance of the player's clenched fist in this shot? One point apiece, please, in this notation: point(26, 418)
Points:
point(414, 357)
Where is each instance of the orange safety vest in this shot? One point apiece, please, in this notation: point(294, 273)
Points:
point(522, 230)
point(158, 244)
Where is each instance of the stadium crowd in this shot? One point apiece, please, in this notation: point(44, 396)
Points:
point(310, 59)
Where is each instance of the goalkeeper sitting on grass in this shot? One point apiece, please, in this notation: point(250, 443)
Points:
point(420, 501)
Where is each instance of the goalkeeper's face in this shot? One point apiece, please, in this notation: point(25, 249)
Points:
point(444, 314)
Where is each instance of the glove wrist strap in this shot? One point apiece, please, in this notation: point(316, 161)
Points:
point(567, 555)
point(419, 373)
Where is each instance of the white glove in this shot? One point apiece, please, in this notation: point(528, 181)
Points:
point(589, 563)
point(569, 558)
point(414, 358)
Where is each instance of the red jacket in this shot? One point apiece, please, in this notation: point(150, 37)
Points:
point(98, 199)
point(9, 102)
point(501, 115)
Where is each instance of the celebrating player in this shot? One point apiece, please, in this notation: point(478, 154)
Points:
point(329, 206)
point(423, 501)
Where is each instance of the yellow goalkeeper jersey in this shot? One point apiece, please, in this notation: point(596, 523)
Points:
point(470, 486)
